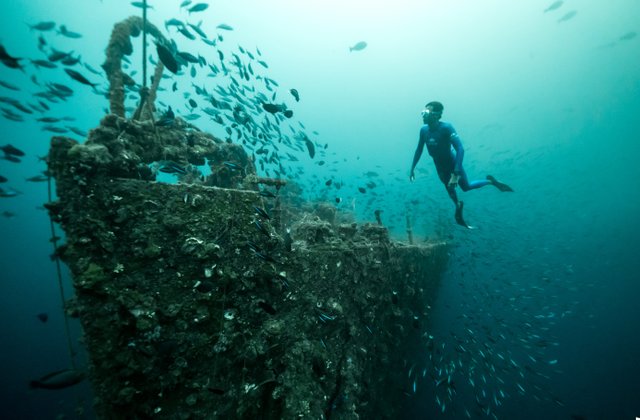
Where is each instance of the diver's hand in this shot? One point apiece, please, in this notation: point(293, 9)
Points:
point(453, 181)
point(412, 176)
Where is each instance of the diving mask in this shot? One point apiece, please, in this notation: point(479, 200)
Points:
point(429, 112)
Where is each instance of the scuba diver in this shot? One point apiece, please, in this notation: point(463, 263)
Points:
point(440, 137)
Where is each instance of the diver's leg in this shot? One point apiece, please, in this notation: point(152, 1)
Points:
point(451, 190)
point(465, 185)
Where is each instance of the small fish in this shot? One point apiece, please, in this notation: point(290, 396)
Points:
point(166, 119)
point(57, 55)
point(192, 103)
point(554, 6)
point(80, 78)
point(628, 36)
point(49, 119)
point(225, 27)
point(310, 147)
point(3, 179)
point(273, 108)
point(43, 317)
point(184, 31)
point(38, 178)
point(267, 257)
point(377, 216)
point(59, 379)
point(261, 228)
point(295, 94)
point(77, 131)
point(192, 117)
point(171, 167)
point(140, 5)
point(43, 26)
point(54, 129)
point(262, 213)
point(411, 370)
point(9, 85)
point(44, 63)
point(69, 34)
point(11, 158)
point(167, 58)
point(188, 57)
point(9, 193)
point(358, 47)
point(197, 29)
point(8, 60)
point(22, 108)
point(11, 150)
point(324, 317)
point(267, 193)
point(172, 22)
point(198, 7)
point(8, 214)
point(362, 190)
point(567, 16)
point(253, 246)
point(231, 165)
point(60, 89)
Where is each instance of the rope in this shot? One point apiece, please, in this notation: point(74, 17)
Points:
point(54, 240)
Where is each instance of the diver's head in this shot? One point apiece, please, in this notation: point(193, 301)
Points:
point(432, 112)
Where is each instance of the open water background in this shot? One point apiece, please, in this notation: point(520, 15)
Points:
point(542, 296)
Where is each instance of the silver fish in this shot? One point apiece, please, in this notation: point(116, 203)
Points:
point(553, 6)
point(359, 46)
point(59, 379)
point(567, 16)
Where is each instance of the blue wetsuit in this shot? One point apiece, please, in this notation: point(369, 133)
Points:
point(441, 142)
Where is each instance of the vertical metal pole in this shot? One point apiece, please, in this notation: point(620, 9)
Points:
point(409, 229)
point(144, 45)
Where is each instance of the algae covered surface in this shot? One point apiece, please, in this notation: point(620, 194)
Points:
point(211, 298)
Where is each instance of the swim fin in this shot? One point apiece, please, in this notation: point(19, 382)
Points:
point(499, 185)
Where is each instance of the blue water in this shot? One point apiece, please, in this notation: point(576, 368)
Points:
point(542, 296)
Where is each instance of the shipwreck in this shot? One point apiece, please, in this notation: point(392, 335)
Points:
point(226, 295)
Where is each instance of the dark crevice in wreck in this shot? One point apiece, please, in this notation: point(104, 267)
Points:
point(197, 302)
